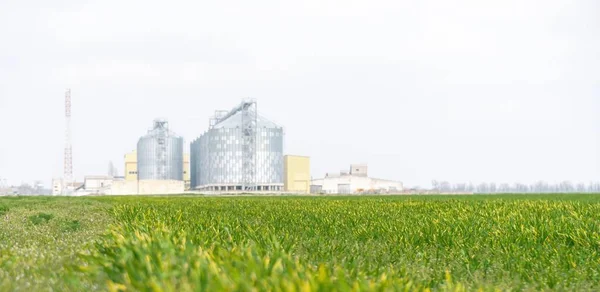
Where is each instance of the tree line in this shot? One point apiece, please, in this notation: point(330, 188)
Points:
point(538, 187)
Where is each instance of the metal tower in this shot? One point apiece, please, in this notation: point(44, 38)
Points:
point(249, 132)
point(162, 129)
point(68, 164)
point(249, 123)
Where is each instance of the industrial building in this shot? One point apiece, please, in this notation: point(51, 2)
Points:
point(156, 167)
point(131, 167)
point(296, 173)
point(59, 187)
point(355, 181)
point(160, 154)
point(98, 184)
point(240, 151)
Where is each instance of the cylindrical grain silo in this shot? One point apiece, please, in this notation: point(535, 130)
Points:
point(160, 154)
point(270, 153)
point(236, 154)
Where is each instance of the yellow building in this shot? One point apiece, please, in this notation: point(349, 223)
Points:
point(131, 169)
point(296, 174)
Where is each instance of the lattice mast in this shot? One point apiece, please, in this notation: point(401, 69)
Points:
point(68, 163)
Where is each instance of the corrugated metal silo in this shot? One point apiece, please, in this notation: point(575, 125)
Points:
point(160, 154)
point(225, 160)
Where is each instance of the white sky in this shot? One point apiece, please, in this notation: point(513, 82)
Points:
point(464, 90)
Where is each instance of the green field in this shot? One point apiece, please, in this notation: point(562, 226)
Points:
point(392, 243)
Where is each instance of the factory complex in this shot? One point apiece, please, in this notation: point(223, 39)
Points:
point(354, 181)
point(240, 152)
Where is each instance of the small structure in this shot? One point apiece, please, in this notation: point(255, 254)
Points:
point(97, 184)
point(131, 168)
point(359, 170)
point(356, 181)
point(296, 174)
point(59, 187)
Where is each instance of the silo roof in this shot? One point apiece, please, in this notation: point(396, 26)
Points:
point(236, 120)
point(154, 132)
point(161, 126)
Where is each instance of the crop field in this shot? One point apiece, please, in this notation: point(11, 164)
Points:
point(391, 243)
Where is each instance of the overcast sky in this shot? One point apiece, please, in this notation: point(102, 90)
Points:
point(464, 90)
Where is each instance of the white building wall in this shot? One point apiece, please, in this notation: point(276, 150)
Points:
point(388, 185)
point(124, 187)
point(330, 185)
point(148, 187)
point(98, 184)
point(57, 186)
point(160, 187)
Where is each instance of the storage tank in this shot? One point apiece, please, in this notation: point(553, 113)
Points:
point(223, 159)
point(160, 154)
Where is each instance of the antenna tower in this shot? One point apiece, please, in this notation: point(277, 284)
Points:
point(68, 171)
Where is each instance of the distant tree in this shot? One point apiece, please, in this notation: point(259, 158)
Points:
point(25, 189)
point(435, 185)
point(554, 188)
point(566, 187)
point(470, 188)
point(520, 188)
point(482, 188)
point(493, 188)
point(445, 187)
point(460, 188)
point(594, 187)
point(504, 188)
point(541, 187)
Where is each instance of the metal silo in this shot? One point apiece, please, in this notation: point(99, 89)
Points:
point(241, 151)
point(160, 154)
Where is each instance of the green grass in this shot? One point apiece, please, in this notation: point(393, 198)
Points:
point(3, 209)
point(442, 243)
point(40, 218)
point(43, 257)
